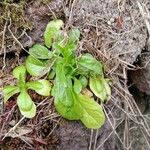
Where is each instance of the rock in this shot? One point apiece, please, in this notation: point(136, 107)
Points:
point(141, 77)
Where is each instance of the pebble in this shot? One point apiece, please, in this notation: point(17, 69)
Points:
point(112, 20)
point(108, 22)
point(86, 30)
point(12, 123)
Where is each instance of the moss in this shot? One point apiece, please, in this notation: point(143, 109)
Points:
point(13, 9)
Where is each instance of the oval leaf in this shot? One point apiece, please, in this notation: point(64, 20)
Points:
point(35, 67)
point(51, 30)
point(77, 86)
point(62, 86)
point(24, 101)
point(9, 91)
point(40, 52)
point(100, 87)
point(34, 85)
point(97, 87)
point(51, 75)
point(45, 89)
point(93, 115)
point(88, 64)
point(20, 73)
point(30, 113)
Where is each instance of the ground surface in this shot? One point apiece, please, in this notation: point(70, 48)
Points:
point(114, 32)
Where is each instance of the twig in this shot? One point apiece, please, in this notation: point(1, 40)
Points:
point(144, 16)
point(3, 46)
point(13, 128)
point(91, 137)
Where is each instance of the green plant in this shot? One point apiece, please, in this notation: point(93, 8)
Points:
point(70, 74)
point(24, 101)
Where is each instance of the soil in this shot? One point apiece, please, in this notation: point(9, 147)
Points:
point(112, 31)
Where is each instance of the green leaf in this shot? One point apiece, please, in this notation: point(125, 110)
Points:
point(40, 52)
point(30, 113)
point(45, 89)
point(51, 30)
point(9, 91)
point(96, 85)
point(107, 88)
point(83, 81)
point(59, 37)
point(20, 73)
point(35, 67)
point(69, 70)
point(65, 96)
point(100, 87)
point(60, 84)
point(87, 63)
point(71, 45)
point(74, 35)
point(51, 75)
point(58, 48)
point(77, 86)
point(34, 85)
point(63, 90)
point(24, 101)
point(68, 46)
point(73, 112)
point(93, 115)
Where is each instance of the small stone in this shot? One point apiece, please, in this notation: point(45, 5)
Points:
point(12, 123)
point(128, 18)
point(108, 22)
point(86, 30)
point(112, 20)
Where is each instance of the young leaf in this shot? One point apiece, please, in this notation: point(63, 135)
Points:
point(96, 84)
point(107, 88)
point(34, 85)
point(51, 30)
point(65, 96)
point(74, 35)
point(24, 101)
point(97, 87)
point(77, 86)
point(35, 67)
point(100, 88)
point(30, 113)
point(45, 89)
point(51, 74)
point(71, 44)
point(20, 73)
point(87, 63)
point(93, 115)
point(40, 52)
point(60, 80)
point(9, 91)
point(58, 48)
point(59, 37)
point(83, 81)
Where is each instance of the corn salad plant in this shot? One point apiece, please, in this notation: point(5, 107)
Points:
point(69, 74)
point(24, 101)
